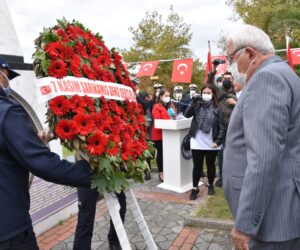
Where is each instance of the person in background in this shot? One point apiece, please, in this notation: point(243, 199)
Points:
point(178, 101)
point(21, 152)
point(226, 100)
point(144, 99)
point(238, 88)
point(219, 81)
point(192, 91)
point(163, 109)
point(87, 202)
point(207, 131)
point(156, 89)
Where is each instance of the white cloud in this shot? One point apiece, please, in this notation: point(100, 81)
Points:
point(112, 19)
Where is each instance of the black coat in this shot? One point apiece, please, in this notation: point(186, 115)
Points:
point(218, 131)
point(22, 151)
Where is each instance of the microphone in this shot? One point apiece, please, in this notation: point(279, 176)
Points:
point(171, 112)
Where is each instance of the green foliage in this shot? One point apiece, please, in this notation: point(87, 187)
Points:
point(277, 18)
point(155, 39)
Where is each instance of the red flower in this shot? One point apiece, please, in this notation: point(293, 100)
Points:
point(80, 49)
point(58, 69)
point(92, 48)
point(66, 129)
point(113, 151)
point(60, 105)
point(90, 103)
point(78, 104)
point(75, 64)
point(141, 119)
point(88, 72)
point(53, 49)
point(85, 123)
point(125, 156)
point(67, 53)
point(97, 143)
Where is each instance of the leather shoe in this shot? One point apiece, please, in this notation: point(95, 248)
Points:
point(147, 176)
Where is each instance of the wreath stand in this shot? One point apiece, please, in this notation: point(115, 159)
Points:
point(114, 207)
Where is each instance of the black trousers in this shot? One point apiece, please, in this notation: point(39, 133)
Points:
point(24, 241)
point(159, 155)
point(87, 200)
point(198, 160)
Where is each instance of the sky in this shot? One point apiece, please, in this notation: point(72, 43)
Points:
point(112, 18)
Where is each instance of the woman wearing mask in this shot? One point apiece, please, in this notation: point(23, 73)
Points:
point(163, 109)
point(207, 131)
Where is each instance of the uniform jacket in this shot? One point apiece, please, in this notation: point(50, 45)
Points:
point(22, 151)
point(261, 167)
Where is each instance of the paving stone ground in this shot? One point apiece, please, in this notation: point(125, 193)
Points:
point(164, 212)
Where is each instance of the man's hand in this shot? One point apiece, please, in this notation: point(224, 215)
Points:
point(46, 137)
point(214, 145)
point(240, 240)
point(231, 101)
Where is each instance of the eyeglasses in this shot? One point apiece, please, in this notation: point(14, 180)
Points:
point(231, 56)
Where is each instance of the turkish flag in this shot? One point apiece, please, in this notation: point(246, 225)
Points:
point(296, 56)
point(208, 64)
point(147, 68)
point(289, 56)
point(45, 90)
point(182, 70)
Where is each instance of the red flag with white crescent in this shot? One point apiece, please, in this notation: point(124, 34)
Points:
point(296, 56)
point(45, 90)
point(147, 68)
point(182, 70)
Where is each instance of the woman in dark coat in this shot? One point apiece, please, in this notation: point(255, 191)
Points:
point(207, 131)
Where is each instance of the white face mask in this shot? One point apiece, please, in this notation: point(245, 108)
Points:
point(206, 97)
point(192, 92)
point(178, 96)
point(238, 76)
point(157, 93)
point(166, 99)
point(219, 84)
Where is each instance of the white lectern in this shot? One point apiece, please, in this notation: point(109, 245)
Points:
point(177, 170)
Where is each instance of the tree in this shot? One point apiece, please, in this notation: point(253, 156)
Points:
point(277, 18)
point(155, 40)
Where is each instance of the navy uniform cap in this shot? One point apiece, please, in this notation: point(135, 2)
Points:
point(11, 73)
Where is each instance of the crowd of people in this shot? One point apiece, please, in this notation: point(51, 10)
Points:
point(248, 118)
point(210, 108)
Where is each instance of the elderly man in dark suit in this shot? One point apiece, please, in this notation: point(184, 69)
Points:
point(261, 171)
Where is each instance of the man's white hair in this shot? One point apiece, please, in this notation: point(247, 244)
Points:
point(251, 36)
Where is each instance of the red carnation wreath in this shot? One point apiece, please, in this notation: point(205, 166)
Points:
point(112, 134)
